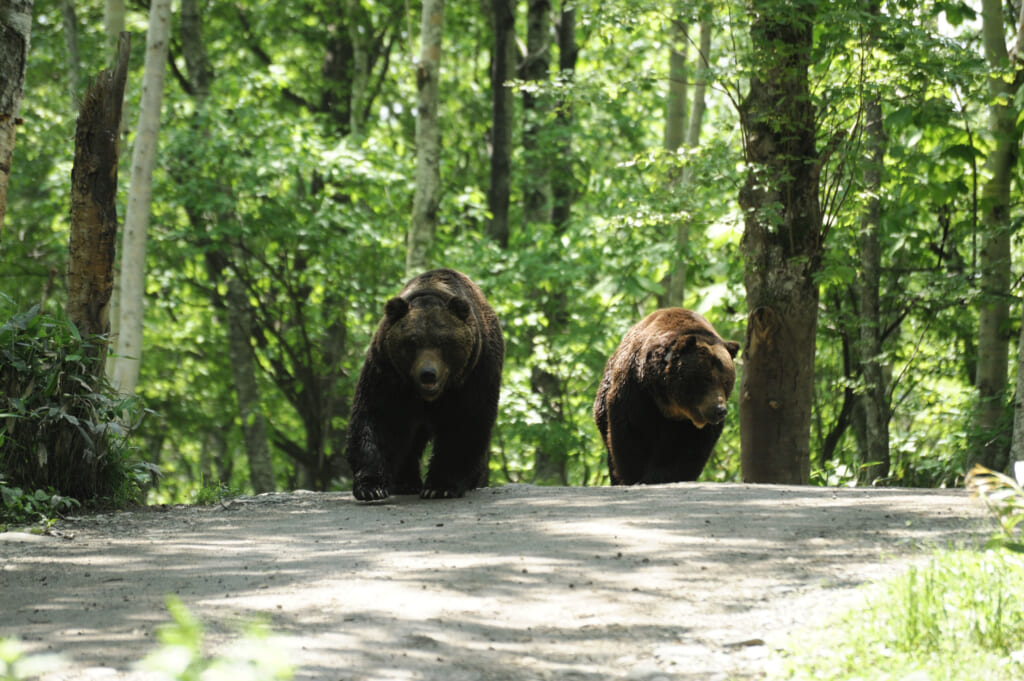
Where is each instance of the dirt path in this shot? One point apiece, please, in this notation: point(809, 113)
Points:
point(515, 583)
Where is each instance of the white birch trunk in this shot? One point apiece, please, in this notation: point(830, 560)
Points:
point(113, 19)
point(136, 218)
point(428, 139)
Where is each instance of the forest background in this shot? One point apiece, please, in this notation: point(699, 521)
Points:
point(595, 163)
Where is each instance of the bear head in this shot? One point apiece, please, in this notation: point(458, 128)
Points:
point(431, 340)
point(697, 375)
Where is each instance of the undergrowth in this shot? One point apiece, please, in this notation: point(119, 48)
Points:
point(959, 616)
point(63, 429)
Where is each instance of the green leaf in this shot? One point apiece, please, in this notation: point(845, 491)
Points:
point(963, 152)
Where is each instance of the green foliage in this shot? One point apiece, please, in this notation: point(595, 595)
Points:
point(61, 427)
point(957, 617)
point(1004, 498)
point(255, 655)
point(41, 506)
point(213, 493)
point(15, 665)
point(265, 182)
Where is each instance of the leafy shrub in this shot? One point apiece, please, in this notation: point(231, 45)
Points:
point(17, 505)
point(1004, 498)
point(210, 493)
point(61, 425)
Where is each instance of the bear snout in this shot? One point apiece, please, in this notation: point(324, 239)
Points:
point(705, 414)
point(713, 411)
point(429, 374)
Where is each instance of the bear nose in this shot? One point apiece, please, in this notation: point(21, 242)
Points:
point(428, 376)
point(720, 412)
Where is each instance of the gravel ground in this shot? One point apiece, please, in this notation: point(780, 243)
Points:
point(667, 582)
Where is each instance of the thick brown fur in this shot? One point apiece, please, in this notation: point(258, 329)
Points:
point(432, 373)
point(663, 398)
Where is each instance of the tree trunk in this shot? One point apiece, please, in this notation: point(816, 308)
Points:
point(502, 121)
point(875, 400)
point(254, 428)
point(193, 49)
point(563, 184)
point(428, 139)
point(781, 247)
point(236, 300)
point(113, 19)
point(70, 23)
point(94, 201)
point(1017, 445)
point(535, 68)
point(675, 292)
point(994, 257)
point(136, 218)
point(360, 73)
point(550, 457)
point(700, 86)
point(536, 190)
point(678, 105)
point(15, 29)
point(113, 25)
point(333, 402)
point(64, 453)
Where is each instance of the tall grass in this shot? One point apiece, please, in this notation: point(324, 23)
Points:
point(960, 617)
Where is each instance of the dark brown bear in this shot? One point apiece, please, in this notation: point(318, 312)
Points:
point(662, 400)
point(433, 372)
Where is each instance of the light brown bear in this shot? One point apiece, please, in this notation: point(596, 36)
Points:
point(662, 402)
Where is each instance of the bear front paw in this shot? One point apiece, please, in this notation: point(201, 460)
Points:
point(441, 493)
point(370, 492)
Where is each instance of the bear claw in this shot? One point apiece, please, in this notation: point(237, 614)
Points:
point(370, 493)
point(442, 493)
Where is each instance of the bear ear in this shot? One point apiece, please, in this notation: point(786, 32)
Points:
point(396, 308)
point(733, 347)
point(459, 307)
point(679, 348)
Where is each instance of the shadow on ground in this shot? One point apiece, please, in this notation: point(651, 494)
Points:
point(510, 583)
